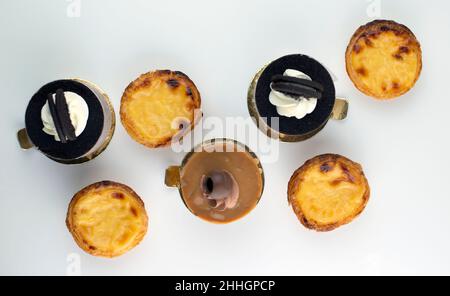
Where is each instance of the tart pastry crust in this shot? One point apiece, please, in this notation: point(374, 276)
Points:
point(384, 59)
point(107, 219)
point(328, 191)
point(159, 107)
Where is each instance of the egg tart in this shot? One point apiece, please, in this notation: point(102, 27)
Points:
point(159, 107)
point(384, 59)
point(107, 219)
point(327, 192)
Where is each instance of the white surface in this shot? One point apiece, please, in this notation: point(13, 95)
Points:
point(403, 145)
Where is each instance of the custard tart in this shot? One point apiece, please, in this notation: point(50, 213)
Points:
point(384, 59)
point(160, 107)
point(107, 219)
point(328, 191)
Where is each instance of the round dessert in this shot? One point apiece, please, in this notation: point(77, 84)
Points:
point(328, 191)
point(70, 121)
point(220, 182)
point(107, 219)
point(384, 59)
point(292, 98)
point(160, 107)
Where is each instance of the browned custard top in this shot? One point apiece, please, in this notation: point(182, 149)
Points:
point(244, 169)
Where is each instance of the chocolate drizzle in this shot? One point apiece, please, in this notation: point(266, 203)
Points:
point(297, 87)
point(61, 117)
point(221, 190)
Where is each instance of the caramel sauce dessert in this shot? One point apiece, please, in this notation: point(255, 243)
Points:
point(107, 219)
point(327, 192)
point(159, 107)
point(222, 183)
point(384, 59)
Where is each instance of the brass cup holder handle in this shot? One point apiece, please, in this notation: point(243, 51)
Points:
point(340, 109)
point(172, 178)
point(24, 140)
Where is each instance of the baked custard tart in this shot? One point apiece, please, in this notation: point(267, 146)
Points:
point(107, 219)
point(328, 191)
point(384, 59)
point(160, 107)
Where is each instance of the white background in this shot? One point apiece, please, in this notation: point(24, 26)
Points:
point(403, 145)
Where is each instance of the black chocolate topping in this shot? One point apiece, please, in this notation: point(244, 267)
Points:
point(296, 89)
point(282, 78)
point(64, 116)
point(55, 117)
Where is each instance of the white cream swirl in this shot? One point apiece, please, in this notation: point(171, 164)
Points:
point(79, 114)
point(289, 106)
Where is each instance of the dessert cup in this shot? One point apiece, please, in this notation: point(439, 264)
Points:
point(220, 181)
point(293, 129)
point(98, 129)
